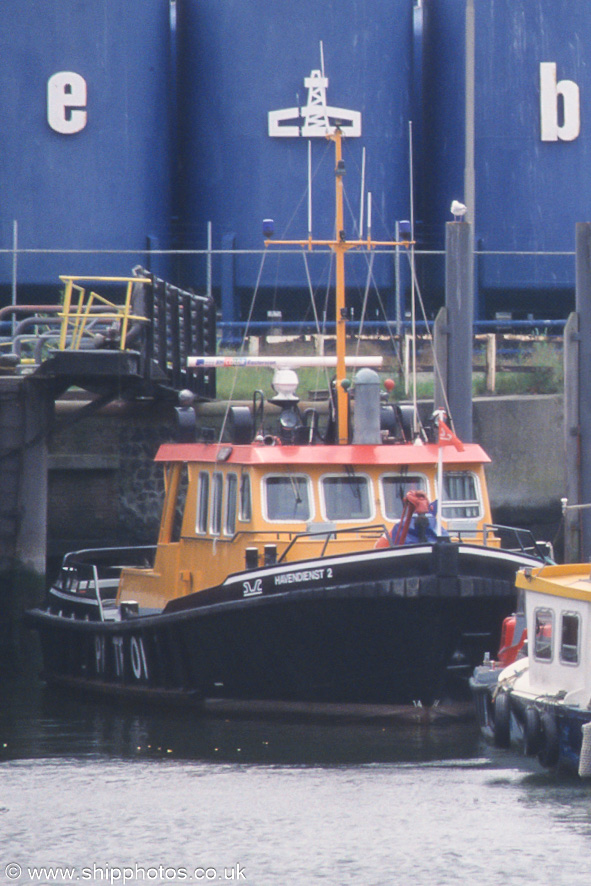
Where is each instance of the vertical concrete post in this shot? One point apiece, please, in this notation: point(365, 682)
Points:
point(25, 408)
point(440, 333)
point(583, 308)
point(572, 492)
point(459, 300)
point(470, 114)
point(36, 405)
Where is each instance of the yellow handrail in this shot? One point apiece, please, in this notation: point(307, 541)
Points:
point(75, 318)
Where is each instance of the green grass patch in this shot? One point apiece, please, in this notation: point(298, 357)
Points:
point(533, 368)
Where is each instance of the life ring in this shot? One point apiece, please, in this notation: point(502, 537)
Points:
point(502, 721)
point(549, 749)
point(532, 732)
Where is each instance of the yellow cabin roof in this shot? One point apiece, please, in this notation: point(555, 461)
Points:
point(572, 580)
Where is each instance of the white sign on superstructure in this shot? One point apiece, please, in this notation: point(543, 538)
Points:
point(316, 118)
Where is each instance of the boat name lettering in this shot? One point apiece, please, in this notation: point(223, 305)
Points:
point(289, 578)
point(252, 590)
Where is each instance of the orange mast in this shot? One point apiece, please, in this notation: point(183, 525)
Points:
point(340, 246)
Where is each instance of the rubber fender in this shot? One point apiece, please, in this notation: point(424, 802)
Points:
point(548, 753)
point(532, 732)
point(502, 724)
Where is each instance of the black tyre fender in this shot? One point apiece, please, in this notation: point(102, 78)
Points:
point(548, 753)
point(532, 732)
point(502, 724)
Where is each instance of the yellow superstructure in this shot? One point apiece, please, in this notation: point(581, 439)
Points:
point(231, 508)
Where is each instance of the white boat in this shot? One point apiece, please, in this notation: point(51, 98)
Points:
point(542, 701)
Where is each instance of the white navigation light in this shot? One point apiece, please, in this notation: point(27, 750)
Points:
point(285, 383)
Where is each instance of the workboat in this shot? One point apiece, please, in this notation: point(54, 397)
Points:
point(302, 559)
point(542, 700)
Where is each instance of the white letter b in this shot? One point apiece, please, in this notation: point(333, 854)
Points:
point(550, 91)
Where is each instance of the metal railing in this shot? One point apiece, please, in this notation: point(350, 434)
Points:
point(90, 306)
point(141, 315)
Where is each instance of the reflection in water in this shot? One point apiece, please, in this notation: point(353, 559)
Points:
point(36, 721)
point(100, 787)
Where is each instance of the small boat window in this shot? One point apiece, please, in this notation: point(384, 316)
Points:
point(461, 499)
point(287, 497)
point(217, 486)
point(346, 497)
point(245, 513)
point(569, 638)
point(394, 488)
point(231, 500)
point(202, 501)
point(543, 629)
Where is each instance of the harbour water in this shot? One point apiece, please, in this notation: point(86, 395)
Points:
point(97, 793)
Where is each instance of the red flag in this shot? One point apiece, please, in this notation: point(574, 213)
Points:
point(446, 435)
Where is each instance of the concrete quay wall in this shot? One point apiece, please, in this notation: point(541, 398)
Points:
point(524, 438)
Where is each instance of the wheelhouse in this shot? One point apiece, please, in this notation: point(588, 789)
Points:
point(226, 506)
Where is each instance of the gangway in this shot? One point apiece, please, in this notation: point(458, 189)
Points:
point(121, 337)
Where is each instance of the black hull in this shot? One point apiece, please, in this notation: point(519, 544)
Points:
point(386, 627)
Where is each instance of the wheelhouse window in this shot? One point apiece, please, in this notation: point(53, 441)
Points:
point(179, 507)
point(461, 497)
point(346, 497)
point(287, 497)
point(175, 484)
point(217, 486)
point(245, 509)
point(543, 630)
point(231, 502)
point(394, 488)
point(569, 638)
point(202, 501)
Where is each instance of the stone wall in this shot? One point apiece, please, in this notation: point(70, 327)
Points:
point(104, 488)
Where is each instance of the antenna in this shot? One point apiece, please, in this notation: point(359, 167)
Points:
point(322, 57)
point(362, 197)
point(413, 285)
